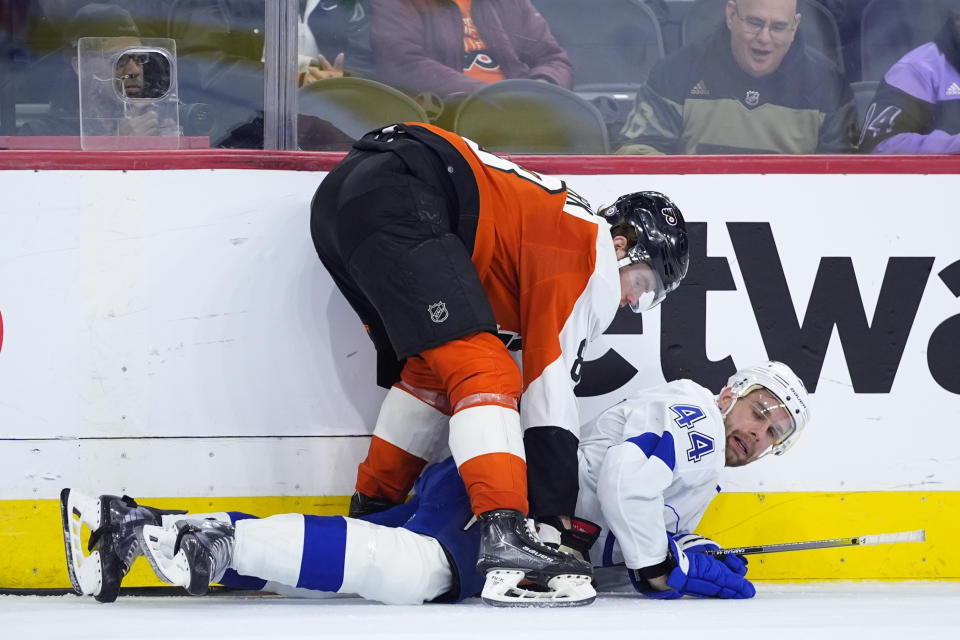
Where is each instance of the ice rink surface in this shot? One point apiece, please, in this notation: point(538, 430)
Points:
point(821, 611)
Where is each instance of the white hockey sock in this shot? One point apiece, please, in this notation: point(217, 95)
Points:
point(270, 548)
point(394, 565)
point(485, 429)
point(411, 424)
point(332, 553)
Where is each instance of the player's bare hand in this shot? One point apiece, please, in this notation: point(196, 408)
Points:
point(323, 69)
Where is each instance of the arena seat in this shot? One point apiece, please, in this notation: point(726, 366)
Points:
point(357, 105)
point(817, 25)
point(891, 28)
point(528, 116)
point(612, 43)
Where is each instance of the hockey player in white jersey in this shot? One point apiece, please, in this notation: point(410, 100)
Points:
point(652, 463)
point(649, 467)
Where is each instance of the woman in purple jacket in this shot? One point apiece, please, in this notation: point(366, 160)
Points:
point(917, 105)
point(453, 47)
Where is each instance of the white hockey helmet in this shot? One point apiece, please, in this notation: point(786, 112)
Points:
point(781, 381)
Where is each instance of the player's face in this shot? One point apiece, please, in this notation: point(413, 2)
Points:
point(757, 421)
point(761, 32)
point(640, 288)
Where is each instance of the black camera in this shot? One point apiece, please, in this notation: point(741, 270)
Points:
point(196, 118)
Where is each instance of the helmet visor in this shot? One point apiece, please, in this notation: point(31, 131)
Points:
point(769, 407)
point(642, 288)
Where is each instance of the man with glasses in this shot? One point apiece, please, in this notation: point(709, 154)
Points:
point(751, 87)
point(129, 74)
point(648, 469)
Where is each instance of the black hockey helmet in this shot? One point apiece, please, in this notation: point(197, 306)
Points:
point(654, 226)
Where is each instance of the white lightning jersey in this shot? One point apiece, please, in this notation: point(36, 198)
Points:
point(648, 466)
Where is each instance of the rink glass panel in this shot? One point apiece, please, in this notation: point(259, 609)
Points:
point(239, 71)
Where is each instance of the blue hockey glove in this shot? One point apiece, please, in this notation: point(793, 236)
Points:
point(699, 575)
point(695, 543)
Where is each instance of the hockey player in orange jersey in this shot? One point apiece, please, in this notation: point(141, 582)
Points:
point(453, 258)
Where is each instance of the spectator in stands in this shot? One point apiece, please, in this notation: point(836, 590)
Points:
point(334, 40)
point(917, 105)
point(97, 20)
point(752, 87)
point(454, 47)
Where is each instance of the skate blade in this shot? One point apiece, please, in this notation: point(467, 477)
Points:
point(157, 544)
point(502, 589)
point(77, 510)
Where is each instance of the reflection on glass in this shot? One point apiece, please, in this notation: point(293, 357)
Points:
point(128, 93)
point(743, 76)
point(220, 96)
point(142, 75)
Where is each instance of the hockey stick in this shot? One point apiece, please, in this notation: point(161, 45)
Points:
point(919, 535)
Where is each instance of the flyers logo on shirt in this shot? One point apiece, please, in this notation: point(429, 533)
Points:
point(478, 60)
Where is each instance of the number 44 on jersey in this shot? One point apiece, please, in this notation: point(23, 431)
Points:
point(686, 416)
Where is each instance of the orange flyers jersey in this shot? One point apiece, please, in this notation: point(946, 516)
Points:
point(549, 270)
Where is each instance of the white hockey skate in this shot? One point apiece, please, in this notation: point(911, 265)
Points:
point(113, 523)
point(158, 544)
point(189, 554)
point(503, 589)
point(511, 554)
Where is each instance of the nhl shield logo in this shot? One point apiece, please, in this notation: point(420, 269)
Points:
point(438, 311)
point(753, 98)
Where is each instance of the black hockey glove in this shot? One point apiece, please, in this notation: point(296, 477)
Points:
point(575, 540)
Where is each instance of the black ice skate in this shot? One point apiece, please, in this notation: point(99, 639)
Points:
point(510, 551)
point(363, 505)
point(204, 548)
point(113, 522)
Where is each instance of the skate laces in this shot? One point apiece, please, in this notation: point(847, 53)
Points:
point(532, 531)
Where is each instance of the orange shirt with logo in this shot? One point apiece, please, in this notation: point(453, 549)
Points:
point(477, 62)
